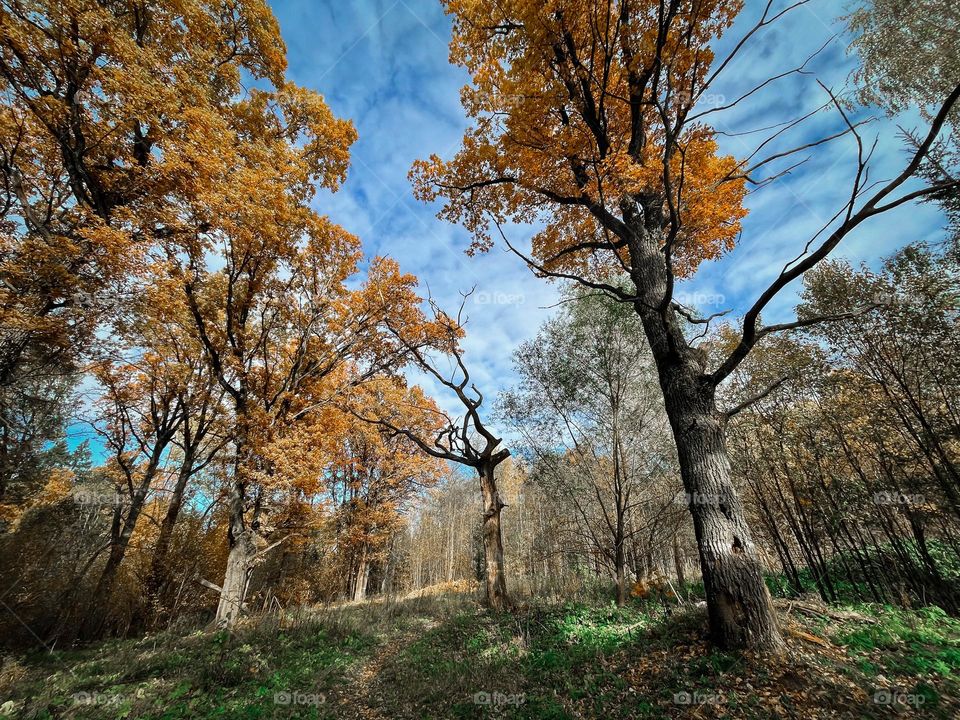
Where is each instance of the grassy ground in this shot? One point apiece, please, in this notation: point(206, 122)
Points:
point(444, 657)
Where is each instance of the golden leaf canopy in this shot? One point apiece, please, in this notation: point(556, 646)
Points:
point(567, 118)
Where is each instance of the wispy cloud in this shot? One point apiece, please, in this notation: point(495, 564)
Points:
point(384, 64)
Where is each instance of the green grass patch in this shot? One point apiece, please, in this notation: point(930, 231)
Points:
point(449, 658)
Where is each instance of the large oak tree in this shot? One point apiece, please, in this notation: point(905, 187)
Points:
point(587, 119)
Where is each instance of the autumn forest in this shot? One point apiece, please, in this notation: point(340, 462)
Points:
point(479, 358)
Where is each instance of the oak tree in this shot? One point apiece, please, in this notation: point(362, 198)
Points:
point(587, 120)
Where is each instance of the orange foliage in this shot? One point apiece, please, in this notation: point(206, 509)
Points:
point(655, 587)
point(539, 153)
point(117, 130)
point(379, 472)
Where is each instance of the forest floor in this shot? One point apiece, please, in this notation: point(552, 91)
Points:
point(444, 657)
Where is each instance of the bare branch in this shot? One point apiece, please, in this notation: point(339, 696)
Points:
point(852, 220)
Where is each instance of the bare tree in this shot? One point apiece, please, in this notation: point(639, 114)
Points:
point(588, 388)
point(465, 440)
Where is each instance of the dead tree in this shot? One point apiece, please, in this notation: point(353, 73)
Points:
point(464, 440)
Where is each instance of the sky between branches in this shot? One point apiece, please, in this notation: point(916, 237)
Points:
point(383, 64)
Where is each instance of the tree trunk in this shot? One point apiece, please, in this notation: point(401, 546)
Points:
point(619, 546)
point(620, 563)
point(386, 585)
point(496, 585)
point(363, 572)
point(99, 600)
point(740, 610)
point(678, 561)
point(243, 550)
point(739, 606)
point(158, 565)
point(620, 500)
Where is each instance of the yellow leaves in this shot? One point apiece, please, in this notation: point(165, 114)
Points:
point(143, 164)
point(561, 127)
point(327, 148)
point(127, 133)
point(377, 471)
point(57, 487)
point(263, 31)
point(9, 513)
point(168, 74)
point(294, 462)
point(711, 203)
point(423, 174)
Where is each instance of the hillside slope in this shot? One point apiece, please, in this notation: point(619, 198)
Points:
point(445, 657)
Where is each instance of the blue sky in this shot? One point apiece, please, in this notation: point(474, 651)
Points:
point(384, 64)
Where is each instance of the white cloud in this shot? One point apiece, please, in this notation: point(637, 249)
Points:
point(385, 65)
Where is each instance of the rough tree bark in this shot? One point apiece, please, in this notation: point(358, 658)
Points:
point(740, 609)
point(741, 612)
point(243, 550)
point(496, 584)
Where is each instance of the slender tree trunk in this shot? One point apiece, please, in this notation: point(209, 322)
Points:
point(619, 548)
point(158, 565)
point(360, 581)
point(678, 562)
point(450, 548)
point(386, 584)
point(496, 585)
point(100, 598)
point(620, 501)
point(620, 564)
